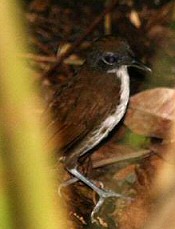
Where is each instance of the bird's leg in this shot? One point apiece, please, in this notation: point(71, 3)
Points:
point(103, 194)
point(69, 181)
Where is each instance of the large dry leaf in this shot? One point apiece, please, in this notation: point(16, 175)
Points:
point(151, 112)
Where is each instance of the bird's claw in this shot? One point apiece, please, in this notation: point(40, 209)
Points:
point(103, 194)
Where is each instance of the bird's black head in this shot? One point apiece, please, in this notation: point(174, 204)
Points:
point(110, 53)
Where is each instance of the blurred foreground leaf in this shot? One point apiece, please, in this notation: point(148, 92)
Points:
point(24, 154)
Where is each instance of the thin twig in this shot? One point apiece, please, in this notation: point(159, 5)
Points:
point(41, 46)
point(50, 59)
point(39, 58)
point(107, 19)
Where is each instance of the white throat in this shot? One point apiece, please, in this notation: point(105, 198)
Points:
point(115, 118)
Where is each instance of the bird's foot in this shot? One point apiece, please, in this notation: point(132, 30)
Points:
point(103, 195)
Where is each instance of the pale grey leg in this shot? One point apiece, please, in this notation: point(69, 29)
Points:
point(103, 194)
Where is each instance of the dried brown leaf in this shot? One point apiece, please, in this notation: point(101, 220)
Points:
point(151, 112)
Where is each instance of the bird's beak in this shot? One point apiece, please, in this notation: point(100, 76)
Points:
point(138, 64)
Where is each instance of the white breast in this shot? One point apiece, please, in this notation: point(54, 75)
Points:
point(115, 118)
point(109, 123)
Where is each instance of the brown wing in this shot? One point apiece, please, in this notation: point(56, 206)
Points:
point(79, 106)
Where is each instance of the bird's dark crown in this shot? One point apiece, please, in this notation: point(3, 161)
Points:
point(111, 53)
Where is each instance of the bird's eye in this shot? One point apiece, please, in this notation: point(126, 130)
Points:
point(109, 58)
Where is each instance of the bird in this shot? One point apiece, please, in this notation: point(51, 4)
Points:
point(92, 103)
